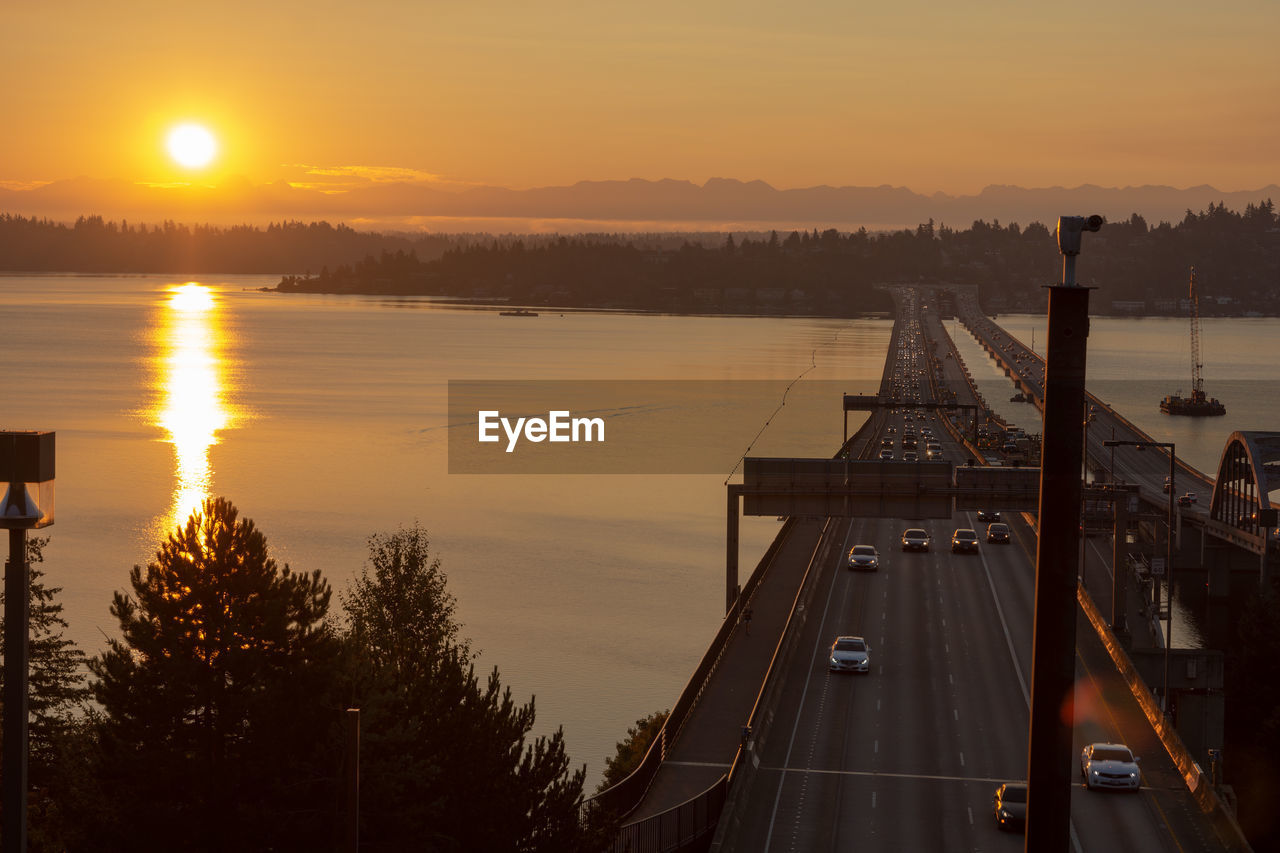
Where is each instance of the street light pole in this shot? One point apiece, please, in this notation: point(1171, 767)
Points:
point(1049, 747)
point(26, 467)
point(1168, 562)
point(1168, 588)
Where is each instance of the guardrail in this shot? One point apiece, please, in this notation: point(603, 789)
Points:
point(622, 798)
point(1220, 818)
point(688, 826)
point(760, 722)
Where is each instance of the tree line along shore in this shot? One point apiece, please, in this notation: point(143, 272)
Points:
point(1141, 269)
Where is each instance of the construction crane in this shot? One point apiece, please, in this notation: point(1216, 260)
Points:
point(1198, 405)
point(1197, 383)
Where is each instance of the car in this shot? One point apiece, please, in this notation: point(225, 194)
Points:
point(933, 453)
point(964, 539)
point(886, 455)
point(1168, 485)
point(1183, 500)
point(1010, 804)
point(1110, 765)
point(1191, 497)
point(988, 515)
point(910, 456)
point(886, 442)
point(850, 654)
point(998, 532)
point(915, 539)
point(864, 558)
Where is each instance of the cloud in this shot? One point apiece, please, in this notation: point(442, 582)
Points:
point(336, 179)
point(23, 185)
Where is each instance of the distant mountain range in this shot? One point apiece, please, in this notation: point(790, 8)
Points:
point(636, 205)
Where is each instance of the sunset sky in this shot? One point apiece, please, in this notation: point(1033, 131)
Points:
point(934, 96)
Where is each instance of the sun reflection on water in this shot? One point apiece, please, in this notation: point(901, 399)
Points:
point(192, 408)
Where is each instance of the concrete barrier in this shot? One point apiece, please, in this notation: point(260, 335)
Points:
point(1198, 783)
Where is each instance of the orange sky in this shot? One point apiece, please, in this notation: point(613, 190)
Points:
point(935, 96)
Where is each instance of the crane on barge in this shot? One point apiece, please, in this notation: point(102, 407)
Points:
point(1198, 404)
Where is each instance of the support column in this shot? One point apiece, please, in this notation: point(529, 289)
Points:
point(1050, 749)
point(17, 609)
point(731, 548)
point(1120, 568)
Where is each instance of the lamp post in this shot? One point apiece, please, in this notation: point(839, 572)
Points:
point(1049, 746)
point(1168, 565)
point(26, 465)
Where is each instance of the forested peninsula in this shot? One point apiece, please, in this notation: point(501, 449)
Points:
point(1139, 269)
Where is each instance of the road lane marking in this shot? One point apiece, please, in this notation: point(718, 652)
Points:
point(795, 726)
point(696, 764)
point(1013, 656)
point(926, 777)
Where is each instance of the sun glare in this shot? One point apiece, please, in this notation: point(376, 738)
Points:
point(192, 146)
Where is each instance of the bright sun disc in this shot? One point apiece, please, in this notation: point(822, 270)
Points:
point(191, 145)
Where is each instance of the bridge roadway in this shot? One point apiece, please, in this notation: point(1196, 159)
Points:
point(908, 756)
point(1147, 468)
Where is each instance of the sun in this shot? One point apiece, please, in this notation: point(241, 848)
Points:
point(192, 146)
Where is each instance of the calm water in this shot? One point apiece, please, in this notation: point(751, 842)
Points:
point(325, 420)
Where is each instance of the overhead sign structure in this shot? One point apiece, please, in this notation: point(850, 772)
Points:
point(846, 487)
point(1013, 489)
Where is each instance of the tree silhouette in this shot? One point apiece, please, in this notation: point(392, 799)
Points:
point(212, 696)
point(445, 760)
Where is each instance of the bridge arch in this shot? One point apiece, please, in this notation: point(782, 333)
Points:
point(1247, 474)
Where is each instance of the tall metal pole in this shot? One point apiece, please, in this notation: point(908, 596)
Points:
point(1120, 566)
point(1168, 580)
point(17, 607)
point(351, 842)
point(1057, 552)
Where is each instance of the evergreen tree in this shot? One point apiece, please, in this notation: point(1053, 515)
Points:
point(56, 692)
point(56, 682)
point(214, 712)
point(445, 760)
point(632, 750)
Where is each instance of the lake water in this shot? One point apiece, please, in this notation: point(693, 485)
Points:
point(325, 419)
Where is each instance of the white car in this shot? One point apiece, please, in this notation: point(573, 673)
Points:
point(1110, 765)
point(850, 654)
point(864, 557)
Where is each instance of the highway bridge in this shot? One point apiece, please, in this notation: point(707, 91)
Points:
point(769, 750)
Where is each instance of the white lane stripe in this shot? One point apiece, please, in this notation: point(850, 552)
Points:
point(1008, 639)
point(817, 651)
point(809, 771)
point(1013, 658)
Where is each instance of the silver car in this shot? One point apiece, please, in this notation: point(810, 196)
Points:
point(850, 654)
point(1110, 765)
point(864, 558)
